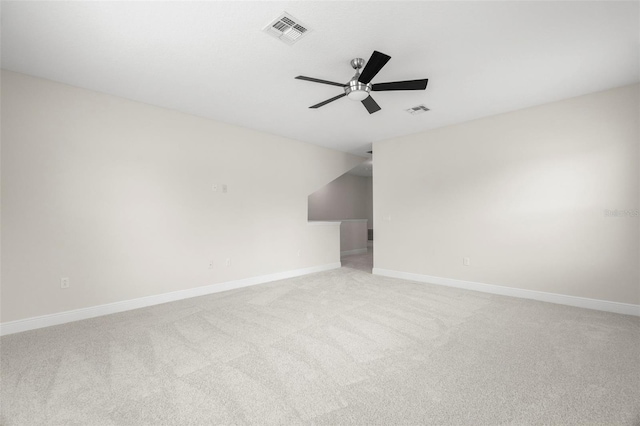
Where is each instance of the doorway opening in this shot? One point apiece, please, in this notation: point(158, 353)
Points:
point(349, 200)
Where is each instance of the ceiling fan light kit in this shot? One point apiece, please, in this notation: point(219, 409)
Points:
point(360, 87)
point(357, 91)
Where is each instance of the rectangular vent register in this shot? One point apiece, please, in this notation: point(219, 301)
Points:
point(287, 28)
point(417, 110)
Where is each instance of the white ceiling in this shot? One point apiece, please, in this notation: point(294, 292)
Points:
point(212, 59)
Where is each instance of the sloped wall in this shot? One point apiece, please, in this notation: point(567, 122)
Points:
point(347, 197)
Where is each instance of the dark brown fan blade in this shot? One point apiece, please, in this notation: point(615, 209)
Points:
point(317, 80)
point(373, 67)
point(328, 100)
point(401, 85)
point(371, 105)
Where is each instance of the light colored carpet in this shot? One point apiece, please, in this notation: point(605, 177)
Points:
point(337, 347)
point(362, 262)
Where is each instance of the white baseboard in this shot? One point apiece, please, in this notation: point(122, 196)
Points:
point(561, 299)
point(26, 324)
point(356, 251)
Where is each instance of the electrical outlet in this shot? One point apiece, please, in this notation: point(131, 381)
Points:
point(466, 261)
point(214, 187)
point(228, 262)
point(211, 264)
point(224, 188)
point(64, 282)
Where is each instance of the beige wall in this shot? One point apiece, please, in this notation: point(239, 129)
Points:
point(117, 196)
point(347, 197)
point(522, 195)
point(353, 236)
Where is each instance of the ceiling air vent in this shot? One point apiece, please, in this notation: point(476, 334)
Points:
point(417, 110)
point(287, 28)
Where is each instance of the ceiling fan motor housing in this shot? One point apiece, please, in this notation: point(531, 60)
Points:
point(357, 90)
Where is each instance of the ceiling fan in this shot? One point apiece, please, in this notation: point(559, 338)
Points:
point(359, 86)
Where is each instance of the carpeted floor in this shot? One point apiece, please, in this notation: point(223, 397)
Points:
point(362, 262)
point(337, 347)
